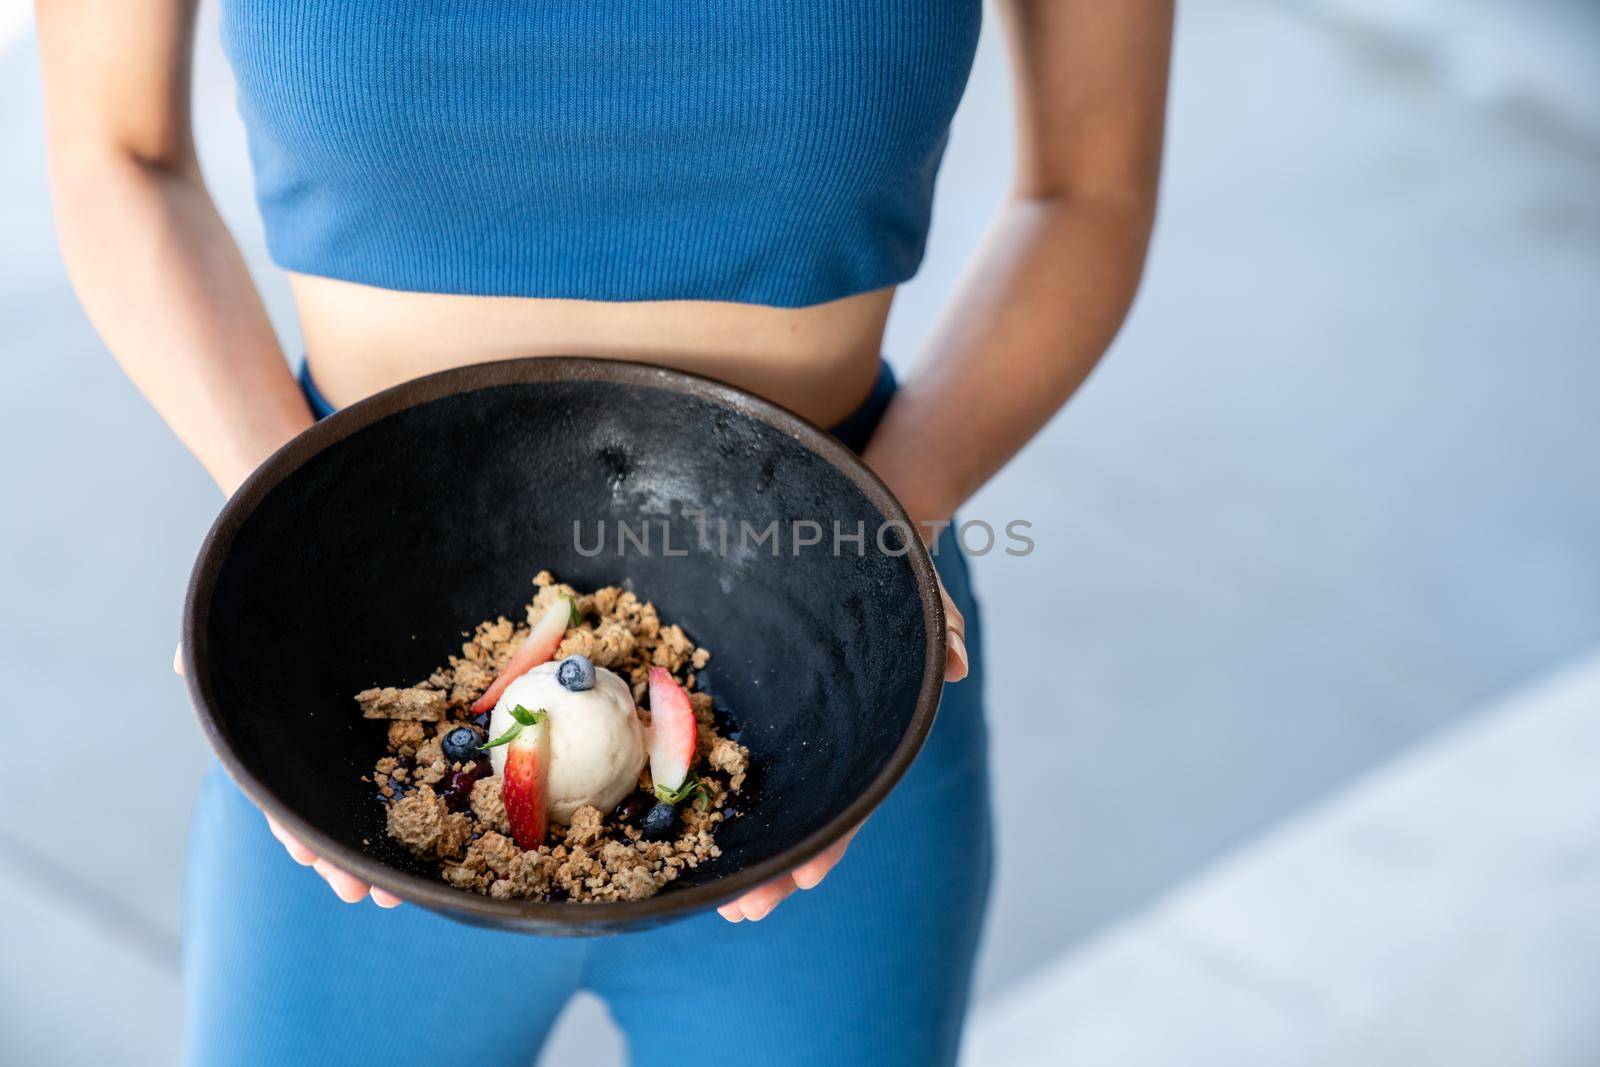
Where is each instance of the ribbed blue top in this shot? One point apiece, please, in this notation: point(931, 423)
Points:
point(758, 151)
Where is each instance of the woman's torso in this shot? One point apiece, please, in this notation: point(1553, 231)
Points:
point(734, 187)
point(818, 361)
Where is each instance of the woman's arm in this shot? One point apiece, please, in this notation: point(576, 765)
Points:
point(149, 256)
point(152, 262)
point(1060, 268)
point(1047, 295)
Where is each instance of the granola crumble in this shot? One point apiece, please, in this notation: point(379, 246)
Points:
point(463, 824)
point(413, 704)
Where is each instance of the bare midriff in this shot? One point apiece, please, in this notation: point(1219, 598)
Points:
point(818, 361)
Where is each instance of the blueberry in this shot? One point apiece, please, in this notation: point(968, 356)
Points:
point(460, 744)
point(660, 822)
point(457, 786)
point(576, 673)
point(632, 808)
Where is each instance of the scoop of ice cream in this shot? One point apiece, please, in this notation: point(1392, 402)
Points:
point(596, 740)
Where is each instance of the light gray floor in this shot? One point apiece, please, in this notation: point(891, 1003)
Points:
point(1335, 486)
point(1438, 910)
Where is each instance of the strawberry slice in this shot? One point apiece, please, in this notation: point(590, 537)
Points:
point(538, 647)
point(672, 731)
point(527, 773)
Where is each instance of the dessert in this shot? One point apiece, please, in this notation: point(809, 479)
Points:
point(526, 767)
point(596, 736)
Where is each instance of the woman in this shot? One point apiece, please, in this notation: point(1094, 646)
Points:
point(732, 189)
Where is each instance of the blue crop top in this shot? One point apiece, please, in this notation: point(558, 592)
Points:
point(777, 152)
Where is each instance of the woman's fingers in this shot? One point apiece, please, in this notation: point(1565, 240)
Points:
point(291, 844)
point(810, 874)
point(955, 639)
point(955, 657)
point(953, 619)
point(346, 887)
point(758, 903)
point(177, 660)
point(384, 900)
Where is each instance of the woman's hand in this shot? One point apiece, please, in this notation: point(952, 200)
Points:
point(346, 887)
point(759, 902)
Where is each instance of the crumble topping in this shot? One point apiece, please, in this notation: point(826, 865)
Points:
point(423, 823)
point(731, 758)
point(414, 704)
point(448, 811)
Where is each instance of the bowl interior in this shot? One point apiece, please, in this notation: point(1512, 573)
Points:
point(395, 531)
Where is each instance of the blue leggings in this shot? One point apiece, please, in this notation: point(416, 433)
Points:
point(871, 967)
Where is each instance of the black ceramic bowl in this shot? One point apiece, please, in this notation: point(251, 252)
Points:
point(360, 552)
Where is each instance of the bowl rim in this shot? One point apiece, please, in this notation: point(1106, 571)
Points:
point(551, 915)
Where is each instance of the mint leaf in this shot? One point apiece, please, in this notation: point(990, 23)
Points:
point(526, 717)
point(505, 738)
point(691, 787)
